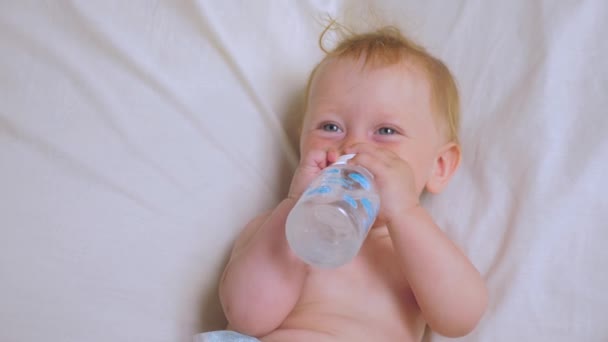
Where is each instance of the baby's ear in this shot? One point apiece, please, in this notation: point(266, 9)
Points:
point(445, 165)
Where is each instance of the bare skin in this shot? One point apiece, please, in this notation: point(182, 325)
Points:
point(408, 274)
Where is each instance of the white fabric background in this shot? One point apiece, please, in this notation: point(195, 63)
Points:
point(137, 138)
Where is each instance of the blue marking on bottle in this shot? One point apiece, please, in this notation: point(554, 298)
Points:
point(351, 201)
point(324, 189)
point(332, 170)
point(339, 181)
point(369, 210)
point(359, 178)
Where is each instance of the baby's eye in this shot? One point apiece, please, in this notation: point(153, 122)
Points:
point(330, 127)
point(386, 131)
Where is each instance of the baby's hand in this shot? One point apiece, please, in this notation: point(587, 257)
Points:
point(393, 177)
point(310, 166)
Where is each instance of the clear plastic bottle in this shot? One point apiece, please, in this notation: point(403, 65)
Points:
point(329, 223)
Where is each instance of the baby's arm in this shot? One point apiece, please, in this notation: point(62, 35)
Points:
point(263, 279)
point(449, 290)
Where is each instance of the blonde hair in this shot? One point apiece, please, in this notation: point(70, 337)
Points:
point(388, 46)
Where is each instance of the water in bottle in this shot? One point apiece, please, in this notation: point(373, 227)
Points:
point(329, 223)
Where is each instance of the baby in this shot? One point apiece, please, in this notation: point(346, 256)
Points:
point(396, 107)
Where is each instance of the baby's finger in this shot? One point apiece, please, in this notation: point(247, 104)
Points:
point(332, 156)
point(315, 159)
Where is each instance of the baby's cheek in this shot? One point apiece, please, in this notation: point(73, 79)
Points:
point(314, 143)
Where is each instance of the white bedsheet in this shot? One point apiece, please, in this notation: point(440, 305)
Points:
point(137, 138)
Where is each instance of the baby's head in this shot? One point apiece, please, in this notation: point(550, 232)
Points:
point(380, 88)
point(388, 47)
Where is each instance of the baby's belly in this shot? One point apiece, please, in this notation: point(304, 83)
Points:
point(365, 300)
point(312, 323)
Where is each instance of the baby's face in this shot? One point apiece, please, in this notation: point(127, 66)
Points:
point(388, 107)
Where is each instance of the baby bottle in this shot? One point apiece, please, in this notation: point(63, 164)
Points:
point(329, 223)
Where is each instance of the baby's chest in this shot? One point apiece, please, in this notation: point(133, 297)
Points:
point(373, 276)
point(371, 292)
